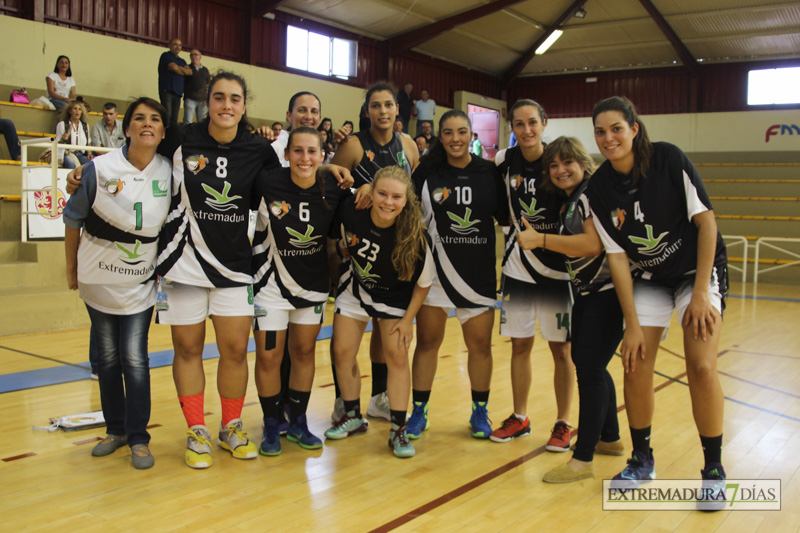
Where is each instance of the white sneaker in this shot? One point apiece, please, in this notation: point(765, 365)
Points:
point(233, 439)
point(338, 410)
point(379, 407)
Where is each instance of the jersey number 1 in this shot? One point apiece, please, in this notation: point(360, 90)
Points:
point(137, 207)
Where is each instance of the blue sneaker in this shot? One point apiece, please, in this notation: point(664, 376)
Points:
point(419, 420)
point(271, 443)
point(640, 468)
point(299, 433)
point(479, 422)
point(283, 424)
point(712, 496)
point(399, 443)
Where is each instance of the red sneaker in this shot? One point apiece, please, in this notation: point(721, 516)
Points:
point(559, 438)
point(512, 427)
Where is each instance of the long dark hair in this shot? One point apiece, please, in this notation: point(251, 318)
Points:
point(69, 70)
point(149, 102)
point(319, 176)
point(437, 155)
point(230, 76)
point(642, 147)
point(527, 102)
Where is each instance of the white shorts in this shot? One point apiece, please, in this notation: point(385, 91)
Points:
point(178, 304)
point(655, 301)
point(348, 305)
point(438, 298)
point(523, 303)
point(279, 319)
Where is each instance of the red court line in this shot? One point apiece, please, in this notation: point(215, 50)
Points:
point(151, 426)
point(767, 354)
point(23, 456)
point(87, 441)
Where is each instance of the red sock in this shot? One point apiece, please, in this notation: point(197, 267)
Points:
point(231, 409)
point(192, 407)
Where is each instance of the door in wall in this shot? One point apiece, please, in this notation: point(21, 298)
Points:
point(486, 123)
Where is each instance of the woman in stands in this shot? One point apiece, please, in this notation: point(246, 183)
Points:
point(460, 194)
point(364, 154)
point(73, 129)
point(292, 282)
point(121, 207)
point(596, 325)
point(60, 83)
point(391, 270)
point(652, 210)
point(535, 282)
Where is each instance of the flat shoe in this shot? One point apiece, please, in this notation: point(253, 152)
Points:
point(109, 445)
point(564, 474)
point(141, 462)
point(606, 448)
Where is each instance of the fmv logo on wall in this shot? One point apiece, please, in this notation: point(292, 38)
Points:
point(782, 129)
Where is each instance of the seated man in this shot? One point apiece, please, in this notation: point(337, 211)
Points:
point(9, 131)
point(108, 132)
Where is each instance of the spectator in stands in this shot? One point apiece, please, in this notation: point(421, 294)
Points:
point(9, 131)
point(425, 109)
point(327, 143)
point(108, 132)
point(476, 146)
point(196, 90)
point(427, 132)
point(422, 145)
point(73, 129)
point(405, 104)
point(171, 72)
point(60, 84)
point(277, 128)
point(326, 125)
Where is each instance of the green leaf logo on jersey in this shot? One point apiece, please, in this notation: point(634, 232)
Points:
point(463, 226)
point(530, 212)
point(303, 241)
point(650, 245)
point(129, 257)
point(220, 200)
point(401, 159)
point(365, 273)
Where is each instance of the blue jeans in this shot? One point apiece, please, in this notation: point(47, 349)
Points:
point(60, 104)
point(172, 103)
point(70, 163)
point(190, 107)
point(121, 342)
point(9, 131)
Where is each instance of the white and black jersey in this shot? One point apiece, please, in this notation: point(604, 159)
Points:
point(372, 276)
point(588, 274)
point(290, 257)
point(204, 242)
point(377, 156)
point(651, 220)
point(458, 205)
point(528, 199)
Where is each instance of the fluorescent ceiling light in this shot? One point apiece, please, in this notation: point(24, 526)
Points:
point(549, 42)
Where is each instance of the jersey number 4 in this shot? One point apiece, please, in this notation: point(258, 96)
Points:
point(637, 212)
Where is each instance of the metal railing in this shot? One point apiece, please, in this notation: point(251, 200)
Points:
point(48, 142)
point(767, 242)
point(737, 240)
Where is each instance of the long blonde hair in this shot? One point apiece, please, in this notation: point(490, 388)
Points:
point(409, 230)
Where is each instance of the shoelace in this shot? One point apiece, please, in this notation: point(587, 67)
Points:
point(560, 430)
point(401, 437)
point(199, 437)
point(509, 422)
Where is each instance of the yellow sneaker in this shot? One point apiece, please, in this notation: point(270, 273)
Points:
point(233, 439)
point(198, 447)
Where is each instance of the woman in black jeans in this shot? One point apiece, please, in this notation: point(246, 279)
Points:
point(596, 313)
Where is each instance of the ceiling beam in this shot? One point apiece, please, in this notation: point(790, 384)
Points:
point(523, 61)
point(409, 40)
point(262, 7)
point(684, 54)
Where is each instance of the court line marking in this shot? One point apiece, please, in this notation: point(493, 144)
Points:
point(40, 356)
point(770, 298)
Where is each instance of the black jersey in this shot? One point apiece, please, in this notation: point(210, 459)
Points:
point(651, 220)
point(377, 156)
point(290, 254)
point(588, 274)
point(374, 280)
point(204, 241)
point(528, 199)
point(458, 205)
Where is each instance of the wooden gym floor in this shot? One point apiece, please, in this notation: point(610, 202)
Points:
point(455, 483)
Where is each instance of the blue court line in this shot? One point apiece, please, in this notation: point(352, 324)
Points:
point(69, 372)
point(770, 298)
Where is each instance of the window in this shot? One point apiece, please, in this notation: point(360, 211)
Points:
point(773, 86)
point(320, 54)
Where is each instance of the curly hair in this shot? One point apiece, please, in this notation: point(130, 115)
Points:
point(409, 230)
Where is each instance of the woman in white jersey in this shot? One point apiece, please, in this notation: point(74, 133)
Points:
point(121, 207)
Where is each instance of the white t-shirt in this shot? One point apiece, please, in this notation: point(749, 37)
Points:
point(62, 87)
point(279, 145)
